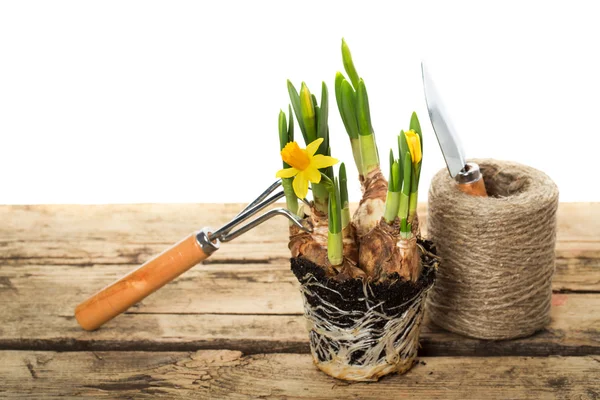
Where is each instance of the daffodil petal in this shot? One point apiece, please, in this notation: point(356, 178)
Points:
point(312, 148)
point(300, 186)
point(286, 172)
point(312, 174)
point(320, 161)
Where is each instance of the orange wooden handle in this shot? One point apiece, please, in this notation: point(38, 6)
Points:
point(476, 188)
point(133, 287)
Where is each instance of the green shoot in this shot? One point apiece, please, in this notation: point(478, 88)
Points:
point(405, 194)
point(392, 202)
point(335, 245)
point(345, 204)
point(286, 135)
point(362, 107)
point(307, 112)
point(415, 127)
point(349, 64)
point(295, 99)
point(353, 104)
point(322, 127)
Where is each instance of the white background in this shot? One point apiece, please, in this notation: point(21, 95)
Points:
point(120, 102)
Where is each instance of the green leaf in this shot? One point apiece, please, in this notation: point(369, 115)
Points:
point(406, 186)
point(400, 174)
point(362, 107)
point(322, 128)
point(290, 126)
point(403, 146)
point(391, 182)
point(282, 130)
point(317, 117)
point(295, 100)
point(339, 78)
point(416, 126)
point(335, 210)
point(283, 135)
point(414, 123)
point(307, 111)
point(414, 183)
point(343, 185)
point(396, 176)
point(416, 177)
point(349, 64)
point(348, 109)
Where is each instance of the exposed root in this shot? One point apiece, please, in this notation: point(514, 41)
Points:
point(360, 330)
point(349, 270)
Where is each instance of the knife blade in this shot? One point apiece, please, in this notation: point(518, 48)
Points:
point(467, 175)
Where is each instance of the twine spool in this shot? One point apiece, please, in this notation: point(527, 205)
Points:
point(497, 252)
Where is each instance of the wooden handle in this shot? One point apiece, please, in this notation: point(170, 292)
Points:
point(133, 287)
point(476, 188)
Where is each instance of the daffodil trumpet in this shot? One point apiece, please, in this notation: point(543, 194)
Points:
point(353, 104)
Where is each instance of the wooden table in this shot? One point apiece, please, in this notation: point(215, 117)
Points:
point(233, 327)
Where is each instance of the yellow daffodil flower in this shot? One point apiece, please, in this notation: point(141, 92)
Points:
point(414, 145)
point(304, 164)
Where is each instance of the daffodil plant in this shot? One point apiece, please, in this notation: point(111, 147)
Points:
point(380, 241)
point(405, 173)
point(312, 120)
point(304, 166)
point(353, 105)
point(410, 147)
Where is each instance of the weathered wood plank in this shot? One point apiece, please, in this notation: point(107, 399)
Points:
point(88, 236)
point(129, 234)
point(252, 308)
point(229, 375)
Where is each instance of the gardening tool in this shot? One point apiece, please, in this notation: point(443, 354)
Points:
point(467, 175)
point(135, 286)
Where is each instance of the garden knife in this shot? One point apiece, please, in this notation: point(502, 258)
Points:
point(467, 175)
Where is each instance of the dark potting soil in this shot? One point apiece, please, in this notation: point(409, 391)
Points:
point(355, 297)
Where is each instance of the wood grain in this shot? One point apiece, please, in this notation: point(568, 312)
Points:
point(53, 257)
point(245, 299)
point(85, 235)
point(249, 307)
point(226, 374)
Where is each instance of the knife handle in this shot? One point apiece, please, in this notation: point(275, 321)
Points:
point(470, 181)
point(476, 188)
point(143, 281)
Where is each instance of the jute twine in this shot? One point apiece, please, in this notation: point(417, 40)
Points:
point(497, 253)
